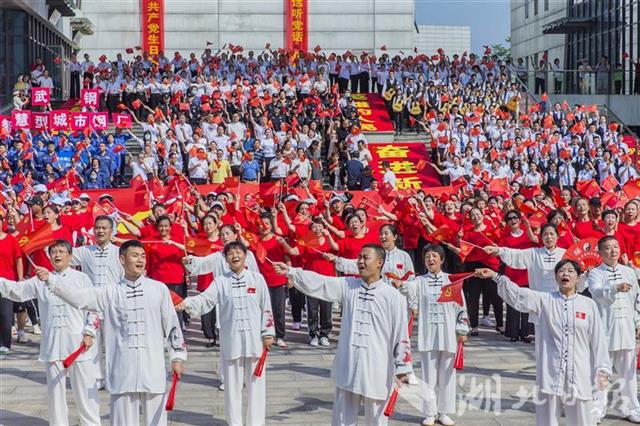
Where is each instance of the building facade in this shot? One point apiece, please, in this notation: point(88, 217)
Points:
point(453, 39)
point(190, 25)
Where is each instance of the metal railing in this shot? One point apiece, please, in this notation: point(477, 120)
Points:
point(581, 82)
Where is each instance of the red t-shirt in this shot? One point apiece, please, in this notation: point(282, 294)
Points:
point(313, 260)
point(586, 229)
point(164, 263)
point(630, 234)
point(349, 247)
point(204, 281)
point(518, 276)
point(481, 239)
point(150, 232)
point(276, 253)
point(40, 257)
point(10, 252)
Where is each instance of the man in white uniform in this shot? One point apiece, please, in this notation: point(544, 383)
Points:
point(139, 322)
point(374, 350)
point(440, 326)
point(246, 327)
point(102, 264)
point(63, 329)
point(615, 289)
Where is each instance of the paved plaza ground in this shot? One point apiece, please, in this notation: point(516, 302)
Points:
point(494, 388)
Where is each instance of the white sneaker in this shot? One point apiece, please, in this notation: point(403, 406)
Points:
point(296, 326)
point(633, 417)
point(21, 337)
point(413, 380)
point(314, 341)
point(281, 344)
point(36, 330)
point(4, 350)
point(445, 420)
point(221, 387)
point(429, 421)
point(487, 322)
point(324, 341)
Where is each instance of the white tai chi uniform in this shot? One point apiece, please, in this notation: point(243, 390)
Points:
point(571, 351)
point(620, 314)
point(103, 267)
point(439, 326)
point(139, 322)
point(373, 346)
point(245, 318)
point(63, 328)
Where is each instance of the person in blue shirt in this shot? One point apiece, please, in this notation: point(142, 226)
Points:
point(94, 176)
point(48, 157)
point(107, 162)
point(250, 169)
point(355, 171)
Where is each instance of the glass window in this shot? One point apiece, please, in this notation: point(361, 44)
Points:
point(526, 9)
point(546, 5)
point(535, 7)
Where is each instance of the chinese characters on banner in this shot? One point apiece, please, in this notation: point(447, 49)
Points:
point(40, 96)
point(90, 98)
point(296, 25)
point(62, 120)
point(152, 15)
point(403, 159)
point(373, 112)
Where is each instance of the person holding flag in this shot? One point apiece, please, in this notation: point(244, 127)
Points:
point(441, 327)
point(64, 327)
point(139, 323)
point(246, 331)
point(374, 353)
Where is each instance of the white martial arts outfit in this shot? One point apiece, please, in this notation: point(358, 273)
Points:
point(373, 346)
point(139, 322)
point(245, 319)
point(63, 328)
point(620, 314)
point(572, 349)
point(439, 325)
point(103, 267)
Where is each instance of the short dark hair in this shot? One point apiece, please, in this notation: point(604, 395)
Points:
point(129, 244)
point(157, 205)
point(602, 241)
point(377, 248)
point(104, 218)
point(563, 262)
point(548, 225)
point(436, 248)
point(61, 243)
point(234, 245)
point(608, 212)
point(162, 218)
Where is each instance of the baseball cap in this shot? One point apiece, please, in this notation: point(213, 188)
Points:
point(40, 188)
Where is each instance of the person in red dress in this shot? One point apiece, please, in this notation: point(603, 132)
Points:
point(11, 269)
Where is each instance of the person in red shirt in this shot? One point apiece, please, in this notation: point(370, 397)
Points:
point(60, 232)
point(148, 230)
point(212, 233)
point(610, 228)
point(561, 221)
point(517, 324)
point(629, 226)
point(11, 269)
point(350, 246)
point(585, 226)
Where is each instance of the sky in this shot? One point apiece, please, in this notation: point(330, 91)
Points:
point(489, 20)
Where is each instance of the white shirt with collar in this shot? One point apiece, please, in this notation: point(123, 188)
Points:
point(102, 265)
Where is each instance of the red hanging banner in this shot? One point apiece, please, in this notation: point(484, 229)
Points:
point(296, 25)
point(152, 16)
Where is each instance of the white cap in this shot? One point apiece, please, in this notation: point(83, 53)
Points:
point(84, 196)
point(40, 188)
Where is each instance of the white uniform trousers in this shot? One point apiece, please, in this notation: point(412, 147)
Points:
point(125, 409)
point(346, 405)
point(624, 366)
point(578, 412)
point(439, 379)
point(236, 373)
point(98, 359)
point(82, 375)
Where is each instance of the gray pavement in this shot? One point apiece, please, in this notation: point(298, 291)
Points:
point(494, 388)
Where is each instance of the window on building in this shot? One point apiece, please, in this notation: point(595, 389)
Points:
point(546, 5)
point(535, 7)
point(526, 9)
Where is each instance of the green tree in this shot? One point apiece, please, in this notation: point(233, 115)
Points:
point(502, 51)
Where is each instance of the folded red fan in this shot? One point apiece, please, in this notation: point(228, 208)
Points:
point(260, 365)
point(458, 362)
point(172, 394)
point(391, 403)
point(585, 252)
point(72, 357)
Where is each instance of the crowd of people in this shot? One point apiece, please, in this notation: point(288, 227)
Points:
point(520, 189)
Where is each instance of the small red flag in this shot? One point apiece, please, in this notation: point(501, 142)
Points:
point(393, 276)
point(609, 183)
point(172, 394)
point(465, 249)
point(458, 362)
point(75, 354)
point(129, 50)
point(260, 365)
point(453, 292)
point(118, 148)
point(391, 403)
point(38, 239)
point(200, 246)
point(176, 299)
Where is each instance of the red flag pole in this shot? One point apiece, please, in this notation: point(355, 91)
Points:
point(172, 394)
point(391, 403)
point(260, 366)
point(458, 362)
point(75, 354)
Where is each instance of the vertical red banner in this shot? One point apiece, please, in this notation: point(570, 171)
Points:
point(152, 24)
point(296, 27)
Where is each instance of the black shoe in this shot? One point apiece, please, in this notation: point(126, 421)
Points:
point(210, 343)
point(513, 339)
point(474, 334)
point(527, 339)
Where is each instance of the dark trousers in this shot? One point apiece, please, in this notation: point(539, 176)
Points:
point(199, 181)
point(355, 80)
point(6, 321)
point(208, 321)
point(278, 297)
point(317, 307)
point(74, 90)
point(343, 84)
point(181, 290)
point(473, 288)
point(557, 86)
point(31, 306)
point(155, 99)
point(517, 324)
point(540, 86)
point(397, 119)
point(333, 79)
point(364, 82)
point(112, 102)
point(296, 297)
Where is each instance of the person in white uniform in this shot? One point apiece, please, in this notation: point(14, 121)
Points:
point(139, 322)
point(571, 341)
point(441, 325)
point(101, 262)
point(63, 329)
point(246, 328)
point(374, 352)
point(614, 287)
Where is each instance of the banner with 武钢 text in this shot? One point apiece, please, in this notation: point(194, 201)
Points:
point(404, 161)
point(296, 25)
point(152, 17)
point(373, 112)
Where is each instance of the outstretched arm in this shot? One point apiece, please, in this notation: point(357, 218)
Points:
point(329, 289)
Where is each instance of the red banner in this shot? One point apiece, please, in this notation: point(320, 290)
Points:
point(90, 98)
point(296, 25)
point(100, 121)
point(152, 15)
point(373, 112)
point(40, 96)
point(5, 124)
point(80, 120)
point(60, 120)
point(40, 120)
point(122, 121)
point(20, 119)
point(403, 159)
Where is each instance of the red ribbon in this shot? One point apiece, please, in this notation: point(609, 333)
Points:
point(391, 403)
point(411, 324)
point(75, 354)
point(172, 393)
point(458, 363)
point(260, 366)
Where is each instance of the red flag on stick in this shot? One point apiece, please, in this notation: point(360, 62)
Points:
point(75, 354)
point(393, 276)
point(260, 365)
point(176, 299)
point(200, 246)
point(453, 292)
point(38, 239)
point(172, 394)
point(458, 362)
point(411, 318)
point(391, 403)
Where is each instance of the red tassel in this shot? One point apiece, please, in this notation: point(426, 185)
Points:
point(172, 393)
point(411, 324)
point(458, 363)
point(260, 366)
point(75, 354)
point(388, 409)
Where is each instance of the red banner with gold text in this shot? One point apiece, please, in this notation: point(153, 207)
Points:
point(404, 161)
point(373, 112)
point(296, 25)
point(152, 17)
